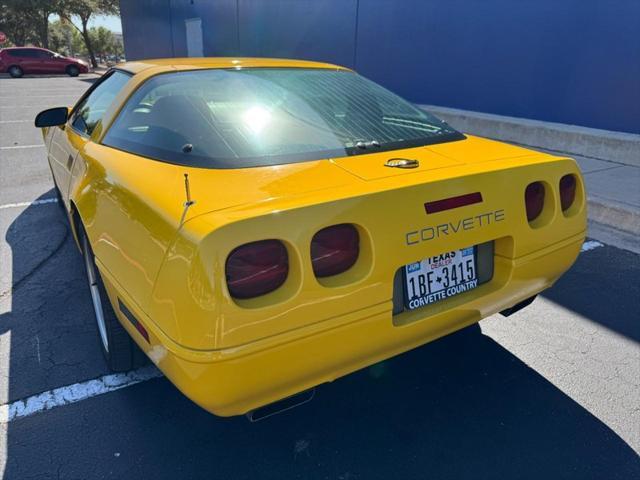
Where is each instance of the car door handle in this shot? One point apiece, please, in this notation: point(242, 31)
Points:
point(69, 162)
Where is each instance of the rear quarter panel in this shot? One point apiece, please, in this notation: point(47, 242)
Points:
point(130, 208)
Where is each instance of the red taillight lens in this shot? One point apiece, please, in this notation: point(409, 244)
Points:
point(567, 191)
point(334, 249)
point(534, 200)
point(257, 268)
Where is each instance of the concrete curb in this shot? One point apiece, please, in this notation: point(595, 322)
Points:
point(613, 236)
point(620, 217)
point(619, 147)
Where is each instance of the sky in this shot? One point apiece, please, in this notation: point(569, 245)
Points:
point(111, 22)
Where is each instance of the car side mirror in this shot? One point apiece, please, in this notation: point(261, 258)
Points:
point(52, 117)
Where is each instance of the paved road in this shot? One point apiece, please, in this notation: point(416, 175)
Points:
point(551, 392)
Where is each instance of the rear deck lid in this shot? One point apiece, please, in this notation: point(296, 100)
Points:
point(374, 166)
point(471, 150)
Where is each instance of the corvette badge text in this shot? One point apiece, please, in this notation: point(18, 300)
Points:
point(450, 228)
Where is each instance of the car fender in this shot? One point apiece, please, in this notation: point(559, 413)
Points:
point(130, 224)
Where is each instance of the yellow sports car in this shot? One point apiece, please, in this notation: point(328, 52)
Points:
point(260, 226)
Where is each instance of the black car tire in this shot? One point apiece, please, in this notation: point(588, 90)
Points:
point(119, 349)
point(15, 71)
point(73, 71)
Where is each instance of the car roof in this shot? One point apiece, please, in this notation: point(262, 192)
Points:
point(191, 63)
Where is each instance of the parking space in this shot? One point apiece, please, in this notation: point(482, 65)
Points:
point(551, 392)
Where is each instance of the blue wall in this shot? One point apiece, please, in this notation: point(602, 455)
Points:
point(567, 61)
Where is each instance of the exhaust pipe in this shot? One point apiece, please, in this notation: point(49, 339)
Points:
point(280, 406)
point(518, 306)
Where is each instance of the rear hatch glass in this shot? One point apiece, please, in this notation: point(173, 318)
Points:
point(237, 118)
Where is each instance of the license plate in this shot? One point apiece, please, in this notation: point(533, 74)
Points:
point(442, 276)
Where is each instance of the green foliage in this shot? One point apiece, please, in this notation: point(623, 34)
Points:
point(65, 39)
point(27, 22)
point(11, 23)
point(81, 11)
point(84, 9)
point(105, 42)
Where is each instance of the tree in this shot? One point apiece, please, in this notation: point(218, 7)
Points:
point(27, 21)
point(82, 11)
point(11, 22)
point(39, 12)
point(102, 40)
point(64, 38)
point(59, 34)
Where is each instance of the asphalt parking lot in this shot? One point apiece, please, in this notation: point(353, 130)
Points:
point(551, 392)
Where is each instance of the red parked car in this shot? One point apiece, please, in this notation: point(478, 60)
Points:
point(20, 60)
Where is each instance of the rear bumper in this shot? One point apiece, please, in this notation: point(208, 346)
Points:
point(236, 380)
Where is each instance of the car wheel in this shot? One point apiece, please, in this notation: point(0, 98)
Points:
point(15, 71)
point(119, 350)
point(73, 71)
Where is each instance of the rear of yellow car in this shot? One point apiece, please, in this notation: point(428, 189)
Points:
point(292, 225)
point(243, 314)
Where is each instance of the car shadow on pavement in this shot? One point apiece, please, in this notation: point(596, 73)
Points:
point(49, 319)
point(613, 273)
point(460, 407)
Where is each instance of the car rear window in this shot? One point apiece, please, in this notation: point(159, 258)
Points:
point(235, 118)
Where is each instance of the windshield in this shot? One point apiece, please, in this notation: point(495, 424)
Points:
point(267, 116)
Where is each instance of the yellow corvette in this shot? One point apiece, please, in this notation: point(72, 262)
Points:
point(260, 226)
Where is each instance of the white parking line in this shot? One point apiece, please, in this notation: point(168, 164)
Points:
point(590, 245)
point(15, 121)
point(44, 201)
point(75, 393)
point(15, 147)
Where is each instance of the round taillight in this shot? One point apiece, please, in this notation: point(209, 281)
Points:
point(256, 268)
point(534, 200)
point(567, 191)
point(334, 249)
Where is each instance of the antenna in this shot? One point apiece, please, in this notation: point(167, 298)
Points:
point(189, 202)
